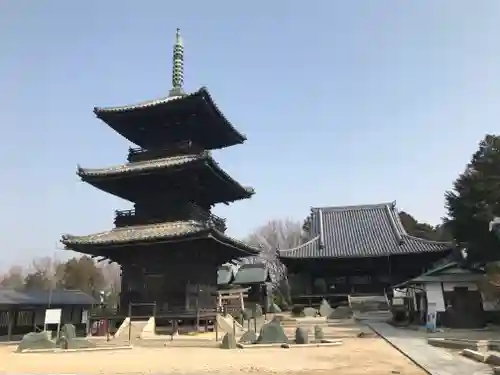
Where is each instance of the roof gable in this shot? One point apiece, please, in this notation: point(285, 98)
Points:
point(359, 231)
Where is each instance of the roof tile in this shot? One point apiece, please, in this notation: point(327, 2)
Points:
point(158, 164)
point(141, 166)
point(255, 273)
point(107, 113)
point(137, 233)
point(152, 232)
point(44, 297)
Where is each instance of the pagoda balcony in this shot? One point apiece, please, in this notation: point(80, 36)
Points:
point(180, 148)
point(125, 218)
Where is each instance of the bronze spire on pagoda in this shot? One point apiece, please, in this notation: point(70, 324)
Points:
point(177, 66)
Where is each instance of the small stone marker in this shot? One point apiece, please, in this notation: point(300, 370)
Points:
point(301, 335)
point(483, 346)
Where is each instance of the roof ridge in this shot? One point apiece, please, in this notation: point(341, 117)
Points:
point(354, 207)
point(398, 230)
point(302, 245)
point(147, 103)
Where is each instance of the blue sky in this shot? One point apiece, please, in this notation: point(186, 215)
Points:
point(343, 102)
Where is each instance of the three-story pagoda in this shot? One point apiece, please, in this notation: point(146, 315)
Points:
point(170, 245)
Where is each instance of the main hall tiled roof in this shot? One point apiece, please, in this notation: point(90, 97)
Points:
point(360, 231)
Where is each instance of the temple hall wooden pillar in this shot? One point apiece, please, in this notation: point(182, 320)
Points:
point(11, 319)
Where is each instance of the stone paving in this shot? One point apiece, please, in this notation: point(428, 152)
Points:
point(436, 361)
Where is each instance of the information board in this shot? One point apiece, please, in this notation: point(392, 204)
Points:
point(53, 316)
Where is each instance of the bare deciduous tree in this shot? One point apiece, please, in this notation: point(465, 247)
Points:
point(14, 278)
point(274, 235)
point(112, 279)
point(44, 273)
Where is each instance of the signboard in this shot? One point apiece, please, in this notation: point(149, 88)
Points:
point(85, 316)
point(434, 292)
point(431, 317)
point(53, 316)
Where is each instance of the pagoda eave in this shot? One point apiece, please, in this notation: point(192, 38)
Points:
point(197, 175)
point(191, 237)
point(194, 116)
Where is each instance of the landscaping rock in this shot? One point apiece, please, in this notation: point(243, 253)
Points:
point(228, 341)
point(249, 337)
point(246, 313)
point(301, 336)
point(278, 319)
point(310, 312)
point(257, 311)
point(325, 309)
point(365, 332)
point(318, 333)
point(68, 331)
point(36, 340)
point(341, 312)
point(272, 333)
point(297, 311)
point(274, 308)
point(68, 339)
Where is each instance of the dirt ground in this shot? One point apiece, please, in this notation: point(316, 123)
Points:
point(354, 357)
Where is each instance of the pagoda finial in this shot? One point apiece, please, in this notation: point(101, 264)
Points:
point(178, 66)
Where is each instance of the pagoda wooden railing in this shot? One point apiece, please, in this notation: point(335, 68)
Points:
point(124, 218)
point(175, 149)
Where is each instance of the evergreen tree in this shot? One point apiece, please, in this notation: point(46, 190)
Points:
point(475, 200)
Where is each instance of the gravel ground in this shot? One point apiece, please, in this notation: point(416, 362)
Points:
point(355, 357)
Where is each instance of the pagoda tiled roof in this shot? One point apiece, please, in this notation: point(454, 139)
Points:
point(155, 232)
point(158, 164)
point(138, 233)
point(109, 114)
point(144, 165)
point(360, 231)
point(143, 104)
